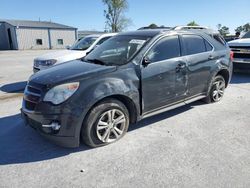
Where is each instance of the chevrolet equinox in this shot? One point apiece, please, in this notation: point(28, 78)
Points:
point(131, 76)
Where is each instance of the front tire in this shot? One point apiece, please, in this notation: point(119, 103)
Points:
point(107, 122)
point(217, 90)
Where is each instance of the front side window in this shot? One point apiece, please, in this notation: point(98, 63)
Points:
point(39, 42)
point(166, 48)
point(102, 41)
point(84, 43)
point(118, 50)
point(194, 44)
point(208, 46)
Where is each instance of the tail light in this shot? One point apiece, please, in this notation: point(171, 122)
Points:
point(231, 55)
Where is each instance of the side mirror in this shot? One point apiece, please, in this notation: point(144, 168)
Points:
point(145, 61)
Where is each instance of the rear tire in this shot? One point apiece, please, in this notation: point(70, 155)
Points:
point(217, 90)
point(107, 122)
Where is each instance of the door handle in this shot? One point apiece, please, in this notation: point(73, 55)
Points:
point(180, 66)
point(210, 57)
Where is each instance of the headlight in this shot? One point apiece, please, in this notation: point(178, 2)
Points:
point(49, 62)
point(61, 93)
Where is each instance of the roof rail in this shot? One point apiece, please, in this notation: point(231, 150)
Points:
point(189, 27)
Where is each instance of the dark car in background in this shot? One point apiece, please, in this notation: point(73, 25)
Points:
point(129, 77)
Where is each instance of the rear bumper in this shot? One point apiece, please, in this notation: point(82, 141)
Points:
point(65, 136)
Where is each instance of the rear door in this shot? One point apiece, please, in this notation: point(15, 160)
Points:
point(164, 79)
point(200, 58)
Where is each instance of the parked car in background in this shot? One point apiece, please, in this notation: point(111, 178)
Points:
point(241, 49)
point(78, 50)
point(131, 76)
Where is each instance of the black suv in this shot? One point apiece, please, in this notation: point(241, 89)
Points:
point(129, 77)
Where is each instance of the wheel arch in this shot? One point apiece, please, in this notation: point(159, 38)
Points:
point(127, 101)
point(225, 74)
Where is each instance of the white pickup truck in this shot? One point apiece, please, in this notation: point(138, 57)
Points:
point(241, 49)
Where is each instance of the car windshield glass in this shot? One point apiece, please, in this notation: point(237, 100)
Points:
point(117, 50)
point(84, 43)
point(246, 35)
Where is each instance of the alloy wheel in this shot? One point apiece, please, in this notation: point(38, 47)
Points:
point(218, 92)
point(111, 125)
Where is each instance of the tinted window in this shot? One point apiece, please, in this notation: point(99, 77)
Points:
point(166, 48)
point(194, 44)
point(208, 46)
point(220, 39)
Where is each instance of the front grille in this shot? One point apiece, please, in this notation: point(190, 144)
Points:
point(34, 90)
point(30, 105)
point(32, 96)
point(240, 47)
point(242, 55)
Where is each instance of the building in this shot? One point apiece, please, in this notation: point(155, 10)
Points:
point(82, 34)
point(23, 35)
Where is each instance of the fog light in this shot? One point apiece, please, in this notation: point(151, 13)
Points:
point(54, 125)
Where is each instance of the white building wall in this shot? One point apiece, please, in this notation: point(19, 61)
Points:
point(68, 36)
point(27, 37)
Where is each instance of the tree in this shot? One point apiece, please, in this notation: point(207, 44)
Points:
point(239, 29)
point(223, 30)
point(246, 27)
point(218, 26)
point(193, 23)
point(152, 26)
point(243, 28)
point(114, 14)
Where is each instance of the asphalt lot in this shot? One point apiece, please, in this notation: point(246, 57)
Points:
point(197, 145)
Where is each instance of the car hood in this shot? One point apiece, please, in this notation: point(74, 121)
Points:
point(62, 55)
point(240, 42)
point(68, 72)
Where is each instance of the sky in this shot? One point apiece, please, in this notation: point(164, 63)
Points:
point(88, 14)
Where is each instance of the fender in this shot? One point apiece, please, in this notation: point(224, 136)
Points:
point(121, 83)
point(219, 66)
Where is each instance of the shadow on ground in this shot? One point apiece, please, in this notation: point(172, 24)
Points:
point(17, 87)
point(21, 144)
point(240, 78)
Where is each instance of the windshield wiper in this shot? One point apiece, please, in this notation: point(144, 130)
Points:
point(96, 61)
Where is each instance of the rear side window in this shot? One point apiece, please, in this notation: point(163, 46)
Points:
point(166, 48)
point(194, 44)
point(220, 39)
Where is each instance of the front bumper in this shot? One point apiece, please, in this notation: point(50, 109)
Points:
point(241, 66)
point(66, 136)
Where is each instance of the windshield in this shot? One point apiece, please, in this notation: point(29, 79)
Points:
point(117, 50)
point(84, 43)
point(246, 35)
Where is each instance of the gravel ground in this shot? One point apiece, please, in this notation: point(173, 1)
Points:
point(196, 145)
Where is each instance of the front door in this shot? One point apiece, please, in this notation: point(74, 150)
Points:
point(164, 79)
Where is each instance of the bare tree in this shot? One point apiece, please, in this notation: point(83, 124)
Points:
point(114, 14)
